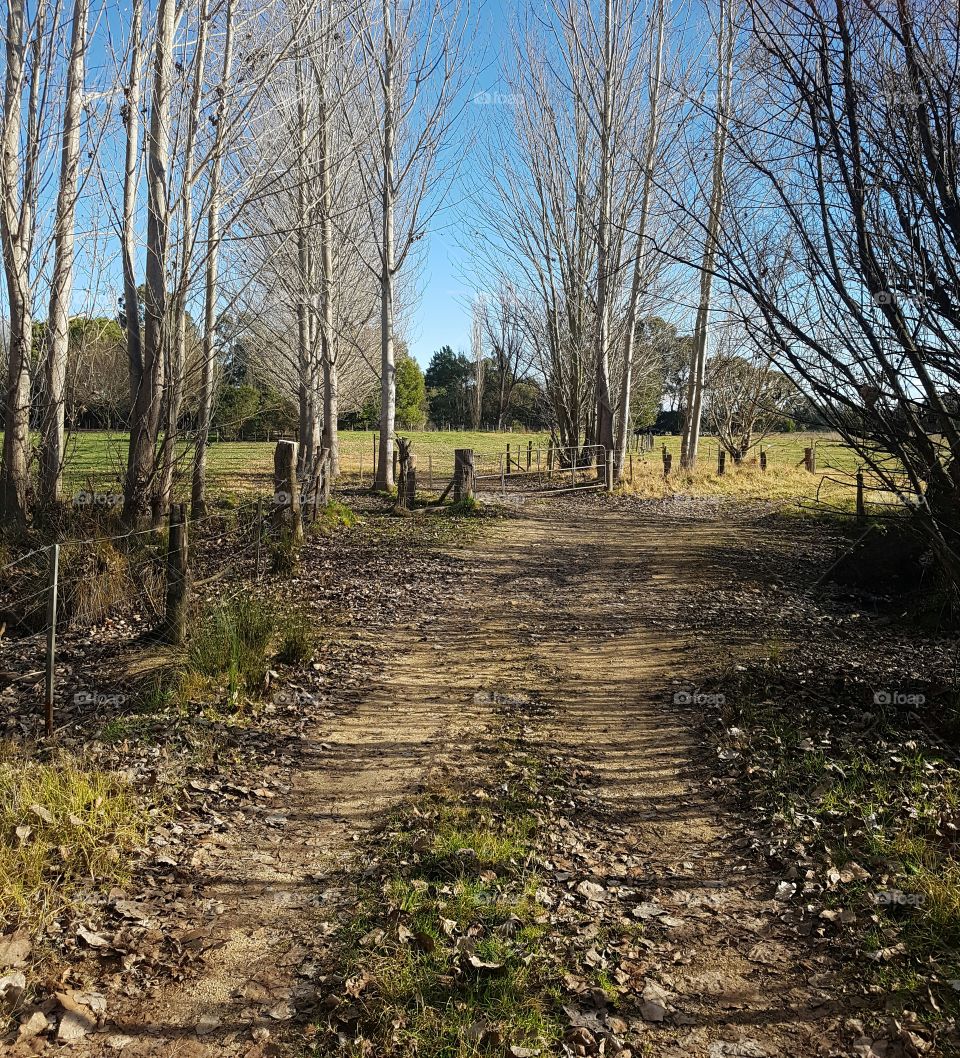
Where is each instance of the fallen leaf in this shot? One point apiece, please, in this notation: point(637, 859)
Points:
point(14, 950)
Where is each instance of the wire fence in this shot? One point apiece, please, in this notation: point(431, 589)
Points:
point(91, 581)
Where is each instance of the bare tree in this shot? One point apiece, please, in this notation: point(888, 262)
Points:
point(61, 288)
point(19, 172)
point(175, 347)
point(130, 113)
point(747, 398)
point(849, 267)
point(641, 254)
point(145, 413)
point(572, 205)
point(725, 38)
point(415, 67)
point(214, 206)
point(509, 347)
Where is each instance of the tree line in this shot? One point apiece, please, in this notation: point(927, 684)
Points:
point(779, 179)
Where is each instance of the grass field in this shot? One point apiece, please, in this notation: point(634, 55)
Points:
point(97, 459)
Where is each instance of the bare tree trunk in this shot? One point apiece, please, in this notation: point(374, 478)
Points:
point(698, 356)
point(327, 337)
point(61, 286)
point(388, 371)
point(145, 418)
point(177, 348)
point(205, 410)
point(131, 115)
point(630, 339)
point(18, 218)
point(604, 408)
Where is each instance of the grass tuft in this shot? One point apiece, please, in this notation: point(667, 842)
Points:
point(64, 827)
point(297, 639)
point(233, 642)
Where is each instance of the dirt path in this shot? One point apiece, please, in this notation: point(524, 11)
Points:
point(730, 973)
point(570, 603)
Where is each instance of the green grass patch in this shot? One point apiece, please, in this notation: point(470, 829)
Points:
point(445, 950)
point(232, 643)
point(65, 828)
point(334, 516)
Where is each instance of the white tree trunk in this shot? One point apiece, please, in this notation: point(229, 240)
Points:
point(131, 112)
point(604, 408)
point(198, 496)
point(176, 349)
point(650, 150)
point(388, 370)
point(17, 221)
point(145, 415)
point(61, 286)
point(698, 356)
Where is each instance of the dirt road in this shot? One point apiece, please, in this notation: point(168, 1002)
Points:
point(576, 602)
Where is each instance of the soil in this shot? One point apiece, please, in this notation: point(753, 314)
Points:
point(590, 604)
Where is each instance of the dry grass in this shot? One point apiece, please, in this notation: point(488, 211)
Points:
point(783, 483)
point(65, 827)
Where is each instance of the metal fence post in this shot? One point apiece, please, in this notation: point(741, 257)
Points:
point(54, 574)
point(177, 576)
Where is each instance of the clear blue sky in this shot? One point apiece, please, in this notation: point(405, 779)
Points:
point(441, 315)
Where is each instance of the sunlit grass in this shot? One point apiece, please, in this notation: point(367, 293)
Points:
point(64, 827)
point(452, 940)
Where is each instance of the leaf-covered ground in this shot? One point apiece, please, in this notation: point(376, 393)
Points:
point(607, 777)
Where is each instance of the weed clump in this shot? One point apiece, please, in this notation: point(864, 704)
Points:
point(296, 640)
point(64, 826)
point(233, 641)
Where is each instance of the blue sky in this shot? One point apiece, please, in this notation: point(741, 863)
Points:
point(441, 315)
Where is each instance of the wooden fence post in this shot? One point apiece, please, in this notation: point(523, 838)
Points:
point(667, 463)
point(286, 490)
point(763, 461)
point(721, 461)
point(861, 507)
point(175, 621)
point(529, 454)
point(463, 474)
point(810, 459)
point(410, 492)
point(54, 575)
point(509, 466)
